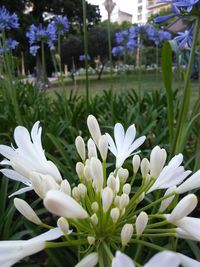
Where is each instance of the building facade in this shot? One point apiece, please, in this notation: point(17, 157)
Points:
point(143, 9)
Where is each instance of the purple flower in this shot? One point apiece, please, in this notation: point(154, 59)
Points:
point(10, 45)
point(83, 57)
point(118, 51)
point(8, 21)
point(184, 38)
point(61, 24)
point(38, 34)
point(33, 50)
point(121, 36)
point(175, 13)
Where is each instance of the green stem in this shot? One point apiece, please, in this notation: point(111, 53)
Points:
point(187, 92)
point(65, 244)
point(86, 52)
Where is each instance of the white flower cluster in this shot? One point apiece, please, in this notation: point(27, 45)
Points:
point(108, 207)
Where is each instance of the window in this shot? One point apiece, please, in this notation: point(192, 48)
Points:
point(139, 9)
point(139, 17)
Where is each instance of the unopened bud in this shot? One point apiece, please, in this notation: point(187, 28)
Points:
point(87, 174)
point(103, 147)
point(141, 197)
point(117, 200)
point(123, 175)
point(94, 128)
point(126, 234)
point(91, 240)
point(75, 193)
point(157, 161)
point(92, 150)
point(80, 146)
point(111, 182)
point(123, 202)
point(183, 208)
point(96, 170)
point(136, 163)
point(90, 260)
point(25, 209)
point(82, 190)
point(95, 206)
point(145, 167)
point(94, 219)
point(63, 224)
point(114, 214)
point(127, 189)
point(65, 187)
point(80, 170)
point(141, 223)
point(107, 198)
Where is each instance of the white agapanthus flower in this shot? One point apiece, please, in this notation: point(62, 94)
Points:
point(164, 259)
point(13, 251)
point(123, 144)
point(171, 175)
point(28, 157)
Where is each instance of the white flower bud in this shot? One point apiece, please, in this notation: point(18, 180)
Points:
point(87, 174)
point(126, 234)
point(90, 260)
point(63, 224)
point(166, 202)
point(111, 182)
point(183, 208)
point(141, 223)
point(80, 170)
point(94, 128)
point(82, 190)
point(65, 187)
point(157, 161)
point(63, 205)
point(136, 163)
point(80, 146)
point(75, 193)
point(141, 197)
point(114, 214)
point(123, 202)
point(117, 200)
point(94, 219)
point(91, 240)
point(95, 206)
point(103, 147)
point(96, 171)
point(145, 167)
point(25, 209)
point(107, 198)
point(123, 212)
point(92, 150)
point(127, 189)
point(123, 175)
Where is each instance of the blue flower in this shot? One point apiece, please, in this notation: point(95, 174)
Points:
point(33, 50)
point(8, 21)
point(184, 38)
point(118, 51)
point(82, 57)
point(10, 45)
point(175, 13)
point(38, 34)
point(61, 24)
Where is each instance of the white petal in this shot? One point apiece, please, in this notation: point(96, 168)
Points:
point(187, 262)
point(129, 137)
point(138, 142)
point(122, 260)
point(90, 260)
point(119, 136)
point(7, 151)
point(191, 183)
point(15, 176)
point(21, 191)
point(111, 143)
point(164, 259)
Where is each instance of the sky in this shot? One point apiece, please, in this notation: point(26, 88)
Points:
point(124, 5)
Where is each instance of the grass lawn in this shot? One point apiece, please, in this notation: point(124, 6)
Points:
point(121, 82)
